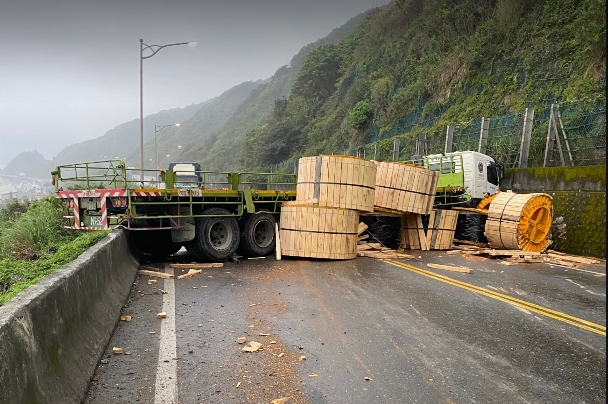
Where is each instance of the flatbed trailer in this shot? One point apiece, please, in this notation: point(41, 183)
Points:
point(214, 216)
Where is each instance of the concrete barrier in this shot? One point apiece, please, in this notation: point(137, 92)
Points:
point(53, 334)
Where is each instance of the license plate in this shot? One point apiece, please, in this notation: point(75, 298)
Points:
point(95, 221)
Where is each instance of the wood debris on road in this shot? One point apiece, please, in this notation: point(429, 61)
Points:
point(155, 273)
point(125, 318)
point(463, 270)
point(253, 347)
point(191, 273)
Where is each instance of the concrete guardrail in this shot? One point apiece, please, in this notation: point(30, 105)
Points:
point(53, 334)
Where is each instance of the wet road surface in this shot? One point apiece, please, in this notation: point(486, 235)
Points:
point(371, 331)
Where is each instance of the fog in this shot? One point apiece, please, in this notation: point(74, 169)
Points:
point(69, 69)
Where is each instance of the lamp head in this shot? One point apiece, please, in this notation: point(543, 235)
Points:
point(192, 44)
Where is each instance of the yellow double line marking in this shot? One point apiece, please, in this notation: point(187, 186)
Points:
point(578, 322)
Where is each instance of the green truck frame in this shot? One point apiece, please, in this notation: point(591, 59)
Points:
point(213, 217)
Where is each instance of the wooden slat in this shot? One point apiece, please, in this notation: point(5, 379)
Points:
point(463, 270)
point(154, 273)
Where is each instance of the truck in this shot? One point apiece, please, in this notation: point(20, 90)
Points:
point(466, 178)
point(212, 214)
point(217, 214)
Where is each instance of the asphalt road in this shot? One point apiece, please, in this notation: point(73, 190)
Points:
point(370, 331)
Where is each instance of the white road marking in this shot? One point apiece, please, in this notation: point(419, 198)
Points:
point(599, 274)
point(166, 370)
point(586, 290)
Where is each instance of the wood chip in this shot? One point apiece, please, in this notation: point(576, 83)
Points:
point(117, 351)
point(125, 318)
point(463, 270)
point(152, 281)
point(281, 355)
point(241, 340)
point(155, 273)
point(162, 314)
point(191, 273)
point(264, 335)
point(198, 266)
point(256, 258)
point(313, 375)
point(253, 347)
point(282, 400)
point(238, 385)
point(302, 358)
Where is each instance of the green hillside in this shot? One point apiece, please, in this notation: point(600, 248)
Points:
point(223, 147)
point(446, 62)
point(123, 139)
point(192, 132)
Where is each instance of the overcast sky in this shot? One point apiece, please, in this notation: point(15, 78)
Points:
point(69, 69)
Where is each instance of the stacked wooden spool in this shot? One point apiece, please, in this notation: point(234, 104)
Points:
point(520, 221)
point(323, 221)
point(405, 188)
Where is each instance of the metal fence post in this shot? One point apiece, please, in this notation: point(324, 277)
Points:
point(396, 149)
point(375, 151)
point(449, 138)
point(483, 136)
point(421, 148)
point(526, 135)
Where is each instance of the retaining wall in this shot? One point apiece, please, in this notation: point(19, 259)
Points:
point(579, 200)
point(53, 334)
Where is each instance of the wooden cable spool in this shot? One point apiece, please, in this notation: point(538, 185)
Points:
point(520, 222)
point(319, 232)
point(405, 188)
point(337, 181)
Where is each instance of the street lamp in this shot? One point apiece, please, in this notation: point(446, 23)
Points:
point(158, 128)
point(154, 50)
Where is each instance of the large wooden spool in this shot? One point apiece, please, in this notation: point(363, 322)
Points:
point(405, 188)
point(319, 232)
point(337, 181)
point(520, 221)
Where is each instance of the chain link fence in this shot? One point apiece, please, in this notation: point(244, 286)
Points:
point(584, 126)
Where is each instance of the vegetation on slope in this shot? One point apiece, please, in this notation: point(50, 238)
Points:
point(33, 243)
point(223, 147)
point(195, 130)
point(123, 139)
point(455, 60)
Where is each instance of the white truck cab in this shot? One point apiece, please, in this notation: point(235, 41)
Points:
point(481, 173)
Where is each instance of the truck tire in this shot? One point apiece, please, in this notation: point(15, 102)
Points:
point(257, 235)
point(191, 248)
point(156, 243)
point(217, 238)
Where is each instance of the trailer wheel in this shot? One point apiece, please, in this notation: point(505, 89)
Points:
point(217, 238)
point(157, 243)
point(257, 235)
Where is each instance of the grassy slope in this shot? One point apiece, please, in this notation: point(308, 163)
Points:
point(225, 144)
point(455, 60)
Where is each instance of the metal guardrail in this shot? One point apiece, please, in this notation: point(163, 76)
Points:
point(112, 174)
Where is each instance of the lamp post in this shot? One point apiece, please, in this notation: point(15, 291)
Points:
point(154, 50)
point(158, 128)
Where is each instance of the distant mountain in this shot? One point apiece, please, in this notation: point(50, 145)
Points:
point(195, 131)
point(30, 164)
point(123, 139)
point(223, 147)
